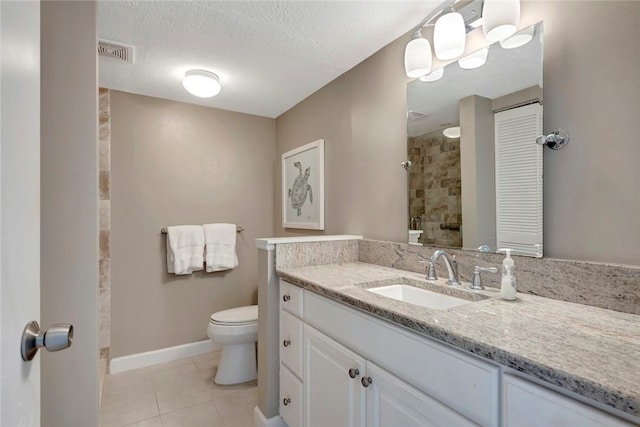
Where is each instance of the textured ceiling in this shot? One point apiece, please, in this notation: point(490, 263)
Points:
point(270, 55)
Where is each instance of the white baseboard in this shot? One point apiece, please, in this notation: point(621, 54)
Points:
point(259, 420)
point(141, 360)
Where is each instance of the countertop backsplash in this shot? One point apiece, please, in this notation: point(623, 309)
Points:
point(611, 287)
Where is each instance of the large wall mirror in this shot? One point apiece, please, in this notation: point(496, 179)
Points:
point(475, 179)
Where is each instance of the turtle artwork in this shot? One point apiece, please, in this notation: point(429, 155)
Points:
point(300, 188)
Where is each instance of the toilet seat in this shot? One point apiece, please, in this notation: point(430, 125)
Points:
point(239, 316)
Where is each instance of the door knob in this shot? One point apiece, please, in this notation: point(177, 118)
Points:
point(56, 338)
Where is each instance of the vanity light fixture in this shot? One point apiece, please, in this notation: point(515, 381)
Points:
point(201, 83)
point(500, 18)
point(518, 39)
point(449, 36)
point(433, 76)
point(452, 132)
point(475, 60)
point(417, 56)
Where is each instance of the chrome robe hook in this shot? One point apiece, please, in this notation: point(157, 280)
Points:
point(555, 140)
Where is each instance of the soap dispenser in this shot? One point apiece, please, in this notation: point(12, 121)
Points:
point(508, 283)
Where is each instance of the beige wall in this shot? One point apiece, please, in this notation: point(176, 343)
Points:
point(591, 89)
point(477, 157)
point(69, 209)
point(175, 163)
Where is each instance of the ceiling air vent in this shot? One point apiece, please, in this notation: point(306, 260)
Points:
point(416, 115)
point(120, 51)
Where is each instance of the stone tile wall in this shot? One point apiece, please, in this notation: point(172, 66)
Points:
point(435, 188)
point(104, 181)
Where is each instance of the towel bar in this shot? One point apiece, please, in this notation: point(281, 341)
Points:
point(238, 229)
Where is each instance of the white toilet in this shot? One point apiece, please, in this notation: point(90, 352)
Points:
point(237, 331)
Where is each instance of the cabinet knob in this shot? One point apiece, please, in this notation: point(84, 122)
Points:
point(286, 298)
point(366, 381)
point(353, 373)
point(286, 401)
point(286, 343)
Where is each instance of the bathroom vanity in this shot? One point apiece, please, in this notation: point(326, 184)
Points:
point(349, 357)
point(345, 350)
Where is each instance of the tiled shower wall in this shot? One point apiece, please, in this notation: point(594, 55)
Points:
point(104, 159)
point(435, 188)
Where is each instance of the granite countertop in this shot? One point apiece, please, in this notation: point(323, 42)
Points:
point(587, 350)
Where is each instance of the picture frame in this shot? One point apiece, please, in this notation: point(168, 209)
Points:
point(303, 187)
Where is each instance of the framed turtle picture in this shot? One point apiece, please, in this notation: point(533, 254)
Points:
point(303, 187)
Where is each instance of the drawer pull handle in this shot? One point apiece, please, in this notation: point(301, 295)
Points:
point(286, 401)
point(286, 298)
point(286, 343)
point(353, 373)
point(366, 381)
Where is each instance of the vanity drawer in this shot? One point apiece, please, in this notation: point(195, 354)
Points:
point(291, 342)
point(463, 382)
point(291, 298)
point(290, 398)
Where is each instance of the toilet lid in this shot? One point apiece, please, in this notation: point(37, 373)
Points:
point(237, 315)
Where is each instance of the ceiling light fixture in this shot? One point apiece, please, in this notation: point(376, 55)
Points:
point(201, 83)
point(500, 18)
point(518, 39)
point(449, 36)
point(452, 132)
point(433, 76)
point(475, 60)
point(417, 56)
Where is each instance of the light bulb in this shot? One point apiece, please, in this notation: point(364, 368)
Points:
point(500, 18)
point(433, 76)
point(417, 57)
point(475, 60)
point(518, 39)
point(449, 36)
point(201, 83)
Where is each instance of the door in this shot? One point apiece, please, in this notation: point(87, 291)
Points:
point(19, 206)
point(48, 210)
point(392, 402)
point(333, 393)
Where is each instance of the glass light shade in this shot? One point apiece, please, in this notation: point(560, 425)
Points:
point(452, 132)
point(433, 76)
point(449, 36)
point(201, 83)
point(518, 39)
point(475, 60)
point(500, 18)
point(417, 57)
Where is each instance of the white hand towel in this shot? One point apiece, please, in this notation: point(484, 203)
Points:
point(220, 244)
point(185, 249)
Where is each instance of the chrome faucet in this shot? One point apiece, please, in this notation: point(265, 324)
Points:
point(449, 261)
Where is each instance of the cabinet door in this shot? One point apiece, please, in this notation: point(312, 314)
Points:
point(332, 397)
point(529, 405)
point(393, 402)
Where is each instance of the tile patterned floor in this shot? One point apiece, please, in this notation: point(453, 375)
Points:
point(177, 394)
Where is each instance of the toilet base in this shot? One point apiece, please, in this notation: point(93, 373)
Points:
point(237, 364)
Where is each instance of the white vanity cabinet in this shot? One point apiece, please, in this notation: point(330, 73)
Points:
point(529, 405)
point(344, 367)
point(291, 353)
point(359, 371)
point(333, 394)
point(393, 402)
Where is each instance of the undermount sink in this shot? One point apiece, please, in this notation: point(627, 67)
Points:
point(419, 296)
